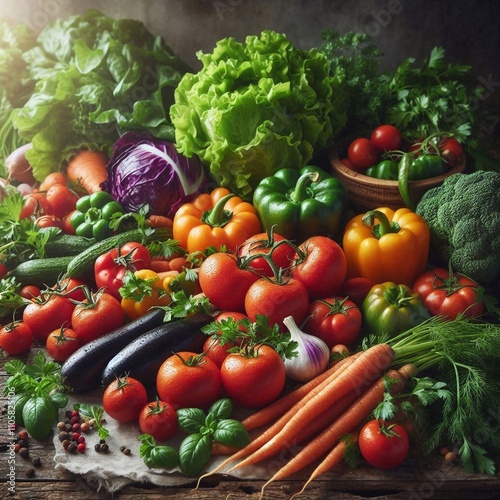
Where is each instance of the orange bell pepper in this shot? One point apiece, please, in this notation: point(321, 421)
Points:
point(141, 291)
point(394, 248)
point(215, 220)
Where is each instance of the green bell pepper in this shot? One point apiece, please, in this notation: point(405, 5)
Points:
point(391, 309)
point(425, 166)
point(93, 215)
point(386, 169)
point(302, 203)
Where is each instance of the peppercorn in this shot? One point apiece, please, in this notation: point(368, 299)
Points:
point(24, 453)
point(30, 472)
point(37, 462)
point(63, 436)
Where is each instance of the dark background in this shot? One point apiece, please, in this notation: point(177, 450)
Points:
point(468, 30)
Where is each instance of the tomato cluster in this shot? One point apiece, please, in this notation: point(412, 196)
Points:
point(52, 203)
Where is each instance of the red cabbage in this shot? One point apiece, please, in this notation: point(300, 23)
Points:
point(144, 170)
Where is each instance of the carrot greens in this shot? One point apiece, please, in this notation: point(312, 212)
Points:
point(464, 354)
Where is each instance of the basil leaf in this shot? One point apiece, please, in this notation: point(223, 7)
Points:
point(221, 408)
point(39, 415)
point(59, 399)
point(230, 432)
point(191, 419)
point(194, 453)
point(162, 456)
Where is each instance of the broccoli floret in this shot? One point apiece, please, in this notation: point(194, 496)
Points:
point(463, 215)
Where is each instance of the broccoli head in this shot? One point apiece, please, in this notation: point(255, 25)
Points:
point(463, 215)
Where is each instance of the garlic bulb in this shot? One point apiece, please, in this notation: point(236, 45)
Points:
point(312, 357)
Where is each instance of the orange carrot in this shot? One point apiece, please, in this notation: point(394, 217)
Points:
point(332, 459)
point(88, 170)
point(271, 431)
point(156, 221)
point(283, 404)
point(366, 368)
point(347, 423)
point(159, 265)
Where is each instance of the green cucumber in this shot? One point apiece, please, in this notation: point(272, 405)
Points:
point(67, 244)
point(82, 265)
point(40, 272)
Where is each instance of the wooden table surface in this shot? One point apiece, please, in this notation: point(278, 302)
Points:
point(433, 478)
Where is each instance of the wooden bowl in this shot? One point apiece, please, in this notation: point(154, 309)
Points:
point(367, 193)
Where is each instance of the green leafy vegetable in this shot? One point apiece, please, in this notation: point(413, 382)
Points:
point(96, 77)
point(154, 455)
point(95, 413)
point(255, 107)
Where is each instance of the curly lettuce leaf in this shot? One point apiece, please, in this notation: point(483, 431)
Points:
point(255, 107)
point(96, 78)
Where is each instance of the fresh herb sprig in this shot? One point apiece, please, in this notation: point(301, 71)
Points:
point(95, 413)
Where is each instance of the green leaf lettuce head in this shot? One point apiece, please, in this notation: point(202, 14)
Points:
point(96, 78)
point(255, 107)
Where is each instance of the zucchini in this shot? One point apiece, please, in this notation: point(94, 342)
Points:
point(82, 265)
point(142, 358)
point(40, 272)
point(67, 244)
point(82, 371)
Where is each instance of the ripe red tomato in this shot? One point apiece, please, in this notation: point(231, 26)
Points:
point(62, 199)
point(52, 179)
point(212, 347)
point(62, 343)
point(451, 151)
point(334, 320)
point(384, 445)
point(282, 254)
point(356, 289)
point(188, 380)
point(321, 266)
point(362, 153)
point(254, 380)
point(29, 292)
point(277, 300)
point(158, 419)
point(73, 288)
point(47, 313)
point(111, 266)
point(124, 399)
point(386, 138)
point(97, 317)
point(224, 282)
point(449, 293)
point(48, 221)
point(16, 338)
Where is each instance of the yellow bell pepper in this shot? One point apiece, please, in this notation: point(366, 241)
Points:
point(141, 291)
point(386, 245)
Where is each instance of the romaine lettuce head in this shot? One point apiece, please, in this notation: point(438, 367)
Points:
point(255, 107)
point(144, 170)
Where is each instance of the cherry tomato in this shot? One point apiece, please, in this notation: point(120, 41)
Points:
point(29, 292)
point(282, 254)
point(362, 153)
point(47, 313)
point(3, 270)
point(67, 227)
point(158, 419)
point(451, 151)
point(53, 179)
point(49, 221)
point(62, 343)
point(124, 399)
point(62, 199)
point(449, 294)
point(321, 266)
point(277, 300)
point(188, 380)
point(212, 347)
point(386, 138)
point(254, 379)
point(384, 445)
point(97, 317)
point(225, 282)
point(356, 289)
point(334, 320)
point(16, 338)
